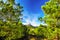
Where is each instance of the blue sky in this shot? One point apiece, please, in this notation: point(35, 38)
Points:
point(32, 11)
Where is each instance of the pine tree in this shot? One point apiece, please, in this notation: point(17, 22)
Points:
point(52, 19)
point(10, 23)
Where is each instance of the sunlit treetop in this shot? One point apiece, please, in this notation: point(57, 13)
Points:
point(10, 10)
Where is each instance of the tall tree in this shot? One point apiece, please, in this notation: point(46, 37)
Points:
point(52, 19)
point(10, 22)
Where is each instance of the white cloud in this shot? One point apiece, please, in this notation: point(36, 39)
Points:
point(33, 22)
point(30, 19)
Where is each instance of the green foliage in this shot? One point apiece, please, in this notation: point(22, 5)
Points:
point(11, 27)
point(10, 24)
point(52, 19)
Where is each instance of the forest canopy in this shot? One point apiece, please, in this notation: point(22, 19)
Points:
point(11, 27)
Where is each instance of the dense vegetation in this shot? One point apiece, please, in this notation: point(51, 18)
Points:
point(10, 23)
point(11, 27)
point(52, 18)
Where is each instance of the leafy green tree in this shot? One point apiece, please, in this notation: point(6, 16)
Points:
point(52, 19)
point(10, 23)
